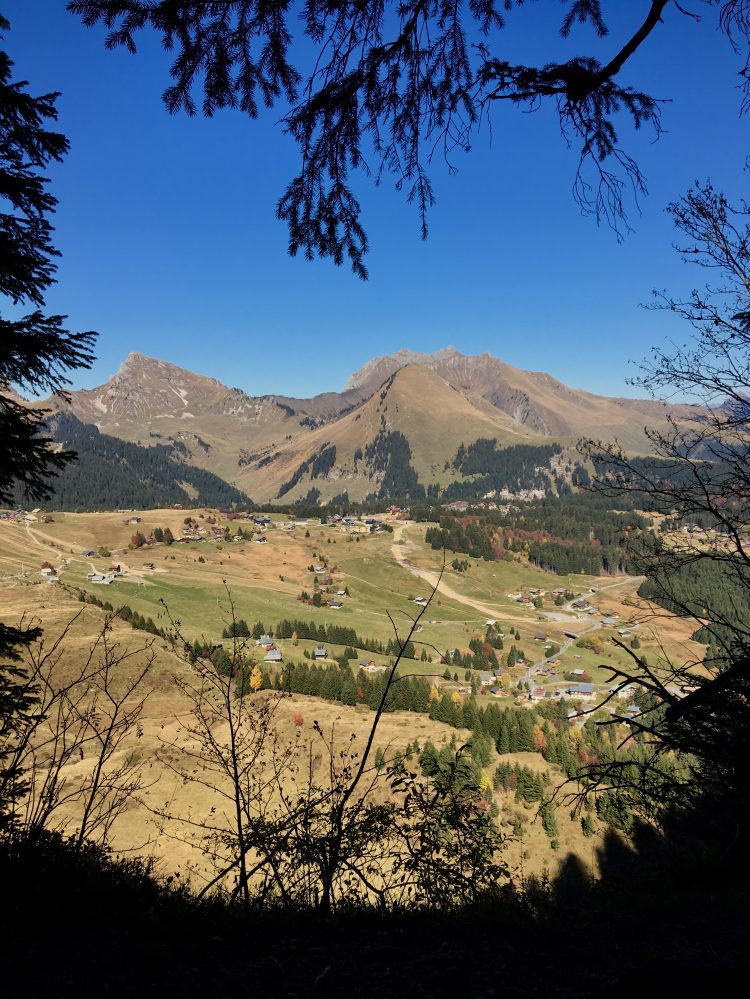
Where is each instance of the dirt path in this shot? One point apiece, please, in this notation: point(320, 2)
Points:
point(489, 610)
point(431, 578)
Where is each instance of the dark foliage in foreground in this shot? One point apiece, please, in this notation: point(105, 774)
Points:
point(385, 89)
point(77, 922)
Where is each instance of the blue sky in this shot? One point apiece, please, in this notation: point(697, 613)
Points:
point(170, 245)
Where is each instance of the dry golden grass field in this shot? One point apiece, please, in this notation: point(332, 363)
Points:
point(264, 581)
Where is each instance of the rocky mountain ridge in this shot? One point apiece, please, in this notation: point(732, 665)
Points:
point(423, 405)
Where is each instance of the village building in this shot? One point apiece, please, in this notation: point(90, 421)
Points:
point(581, 691)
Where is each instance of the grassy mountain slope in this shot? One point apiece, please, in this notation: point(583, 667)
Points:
point(433, 416)
point(277, 447)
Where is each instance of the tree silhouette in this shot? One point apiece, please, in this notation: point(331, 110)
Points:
point(388, 87)
point(700, 711)
point(36, 349)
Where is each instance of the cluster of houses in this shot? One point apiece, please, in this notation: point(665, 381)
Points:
point(576, 691)
point(527, 596)
point(273, 654)
point(370, 666)
point(21, 516)
point(104, 578)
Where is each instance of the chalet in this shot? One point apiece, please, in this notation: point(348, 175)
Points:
point(340, 593)
point(149, 565)
point(537, 694)
point(47, 570)
point(540, 637)
point(320, 652)
point(319, 568)
point(623, 632)
point(370, 666)
point(581, 691)
point(265, 641)
point(486, 679)
point(578, 672)
point(581, 604)
point(490, 623)
point(51, 577)
point(115, 570)
point(273, 656)
point(133, 520)
point(422, 601)
point(96, 577)
point(261, 540)
point(497, 673)
point(335, 604)
point(497, 691)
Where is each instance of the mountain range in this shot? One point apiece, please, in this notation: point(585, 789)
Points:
point(398, 424)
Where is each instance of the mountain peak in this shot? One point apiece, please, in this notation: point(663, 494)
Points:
point(374, 372)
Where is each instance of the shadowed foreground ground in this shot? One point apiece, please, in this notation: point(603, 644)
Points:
point(75, 923)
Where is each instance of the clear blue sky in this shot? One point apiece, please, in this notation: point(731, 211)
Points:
point(170, 245)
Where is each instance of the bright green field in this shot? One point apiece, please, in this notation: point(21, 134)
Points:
point(264, 581)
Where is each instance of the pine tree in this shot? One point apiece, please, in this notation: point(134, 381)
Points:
point(37, 349)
